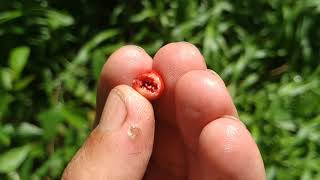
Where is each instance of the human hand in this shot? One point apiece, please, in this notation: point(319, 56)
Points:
point(191, 132)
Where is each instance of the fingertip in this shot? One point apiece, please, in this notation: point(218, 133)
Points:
point(218, 78)
point(121, 68)
point(203, 91)
point(200, 97)
point(124, 64)
point(177, 58)
point(226, 146)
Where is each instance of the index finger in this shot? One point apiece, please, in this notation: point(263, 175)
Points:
point(172, 61)
point(120, 68)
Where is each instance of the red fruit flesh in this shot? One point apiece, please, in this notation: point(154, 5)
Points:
point(149, 84)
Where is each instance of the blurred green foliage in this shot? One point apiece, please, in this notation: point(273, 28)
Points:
point(52, 51)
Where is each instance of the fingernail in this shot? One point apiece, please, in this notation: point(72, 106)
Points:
point(231, 117)
point(216, 75)
point(114, 112)
point(213, 72)
point(235, 119)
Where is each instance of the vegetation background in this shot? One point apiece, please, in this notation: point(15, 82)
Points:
point(267, 51)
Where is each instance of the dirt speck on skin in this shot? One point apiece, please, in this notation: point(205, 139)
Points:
point(133, 131)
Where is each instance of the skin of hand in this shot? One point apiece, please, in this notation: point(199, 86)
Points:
point(191, 132)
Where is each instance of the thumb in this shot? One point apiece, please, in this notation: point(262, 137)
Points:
point(120, 146)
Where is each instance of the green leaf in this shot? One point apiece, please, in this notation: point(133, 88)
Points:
point(12, 159)
point(143, 15)
point(49, 121)
point(73, 118)
point(83, 54)
point(18, 59)
point(4, 138)
point(27, 129)
point(9, 15)
point(6, 75)
point(53, 165)
point(23, 82)
point(6, 132)
point(271, 173)
point(58, 19)
point(13, 176)
point(6, 99)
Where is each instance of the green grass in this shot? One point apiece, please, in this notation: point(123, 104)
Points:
point(52, 51)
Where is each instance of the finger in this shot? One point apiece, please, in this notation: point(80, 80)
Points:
point(121, 145)
point(172, 61)
point(227, 151)
point(121, 68)
point(200, 97)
